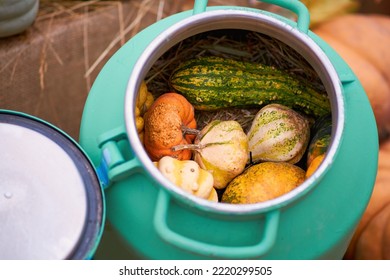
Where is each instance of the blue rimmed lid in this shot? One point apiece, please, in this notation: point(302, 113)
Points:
point(51, 203)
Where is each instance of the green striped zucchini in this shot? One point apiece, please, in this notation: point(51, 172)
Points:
point(211, 83)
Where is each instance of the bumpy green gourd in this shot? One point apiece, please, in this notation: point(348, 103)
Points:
point(212, 83)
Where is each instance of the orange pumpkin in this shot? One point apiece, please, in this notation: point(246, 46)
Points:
point(167, 123)
point(362, 41)
point(372, 237)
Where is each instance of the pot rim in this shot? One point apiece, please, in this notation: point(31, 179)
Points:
point(249, 20)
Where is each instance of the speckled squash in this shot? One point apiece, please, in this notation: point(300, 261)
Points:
point(278, 133)
point(262, 182)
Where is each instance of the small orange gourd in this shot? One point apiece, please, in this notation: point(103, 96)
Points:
point(170, 121)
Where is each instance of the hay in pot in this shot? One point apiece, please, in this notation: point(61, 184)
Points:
point(235, 44)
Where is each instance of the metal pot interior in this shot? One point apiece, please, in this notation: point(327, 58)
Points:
point(247, 20)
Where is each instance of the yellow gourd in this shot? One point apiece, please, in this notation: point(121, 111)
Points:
point(187, 175)
point(314, 165)
point(143, 102)
point(262, 182)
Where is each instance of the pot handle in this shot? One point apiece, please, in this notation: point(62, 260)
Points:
point(207, 249)
point(303, 21)
point(199, 6)
point(297, 7)
point(114, 166)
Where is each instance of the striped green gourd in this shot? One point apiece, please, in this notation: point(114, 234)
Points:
point(321, 131)
point(278, 134)
point(211, 83)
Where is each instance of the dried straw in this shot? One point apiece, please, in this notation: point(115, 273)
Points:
point(144, 9)
point(51, 10)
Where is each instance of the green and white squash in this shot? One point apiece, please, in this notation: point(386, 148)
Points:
point(211, 83)
point(221, 148)
point(278, 134)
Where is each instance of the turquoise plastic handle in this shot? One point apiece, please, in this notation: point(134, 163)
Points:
point(303, 21)
point(114, 166)
point(295, 6)
point(194, 246)
point(199, 6)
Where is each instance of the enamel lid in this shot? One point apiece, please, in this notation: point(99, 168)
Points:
point(43, 193)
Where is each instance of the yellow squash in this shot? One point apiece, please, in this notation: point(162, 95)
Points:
point(262, 182)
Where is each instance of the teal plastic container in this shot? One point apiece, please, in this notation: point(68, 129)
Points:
point(153, 219)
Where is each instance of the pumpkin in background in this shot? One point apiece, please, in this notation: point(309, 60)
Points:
point(362, 41)
point(371, 240)
point(321, 10)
